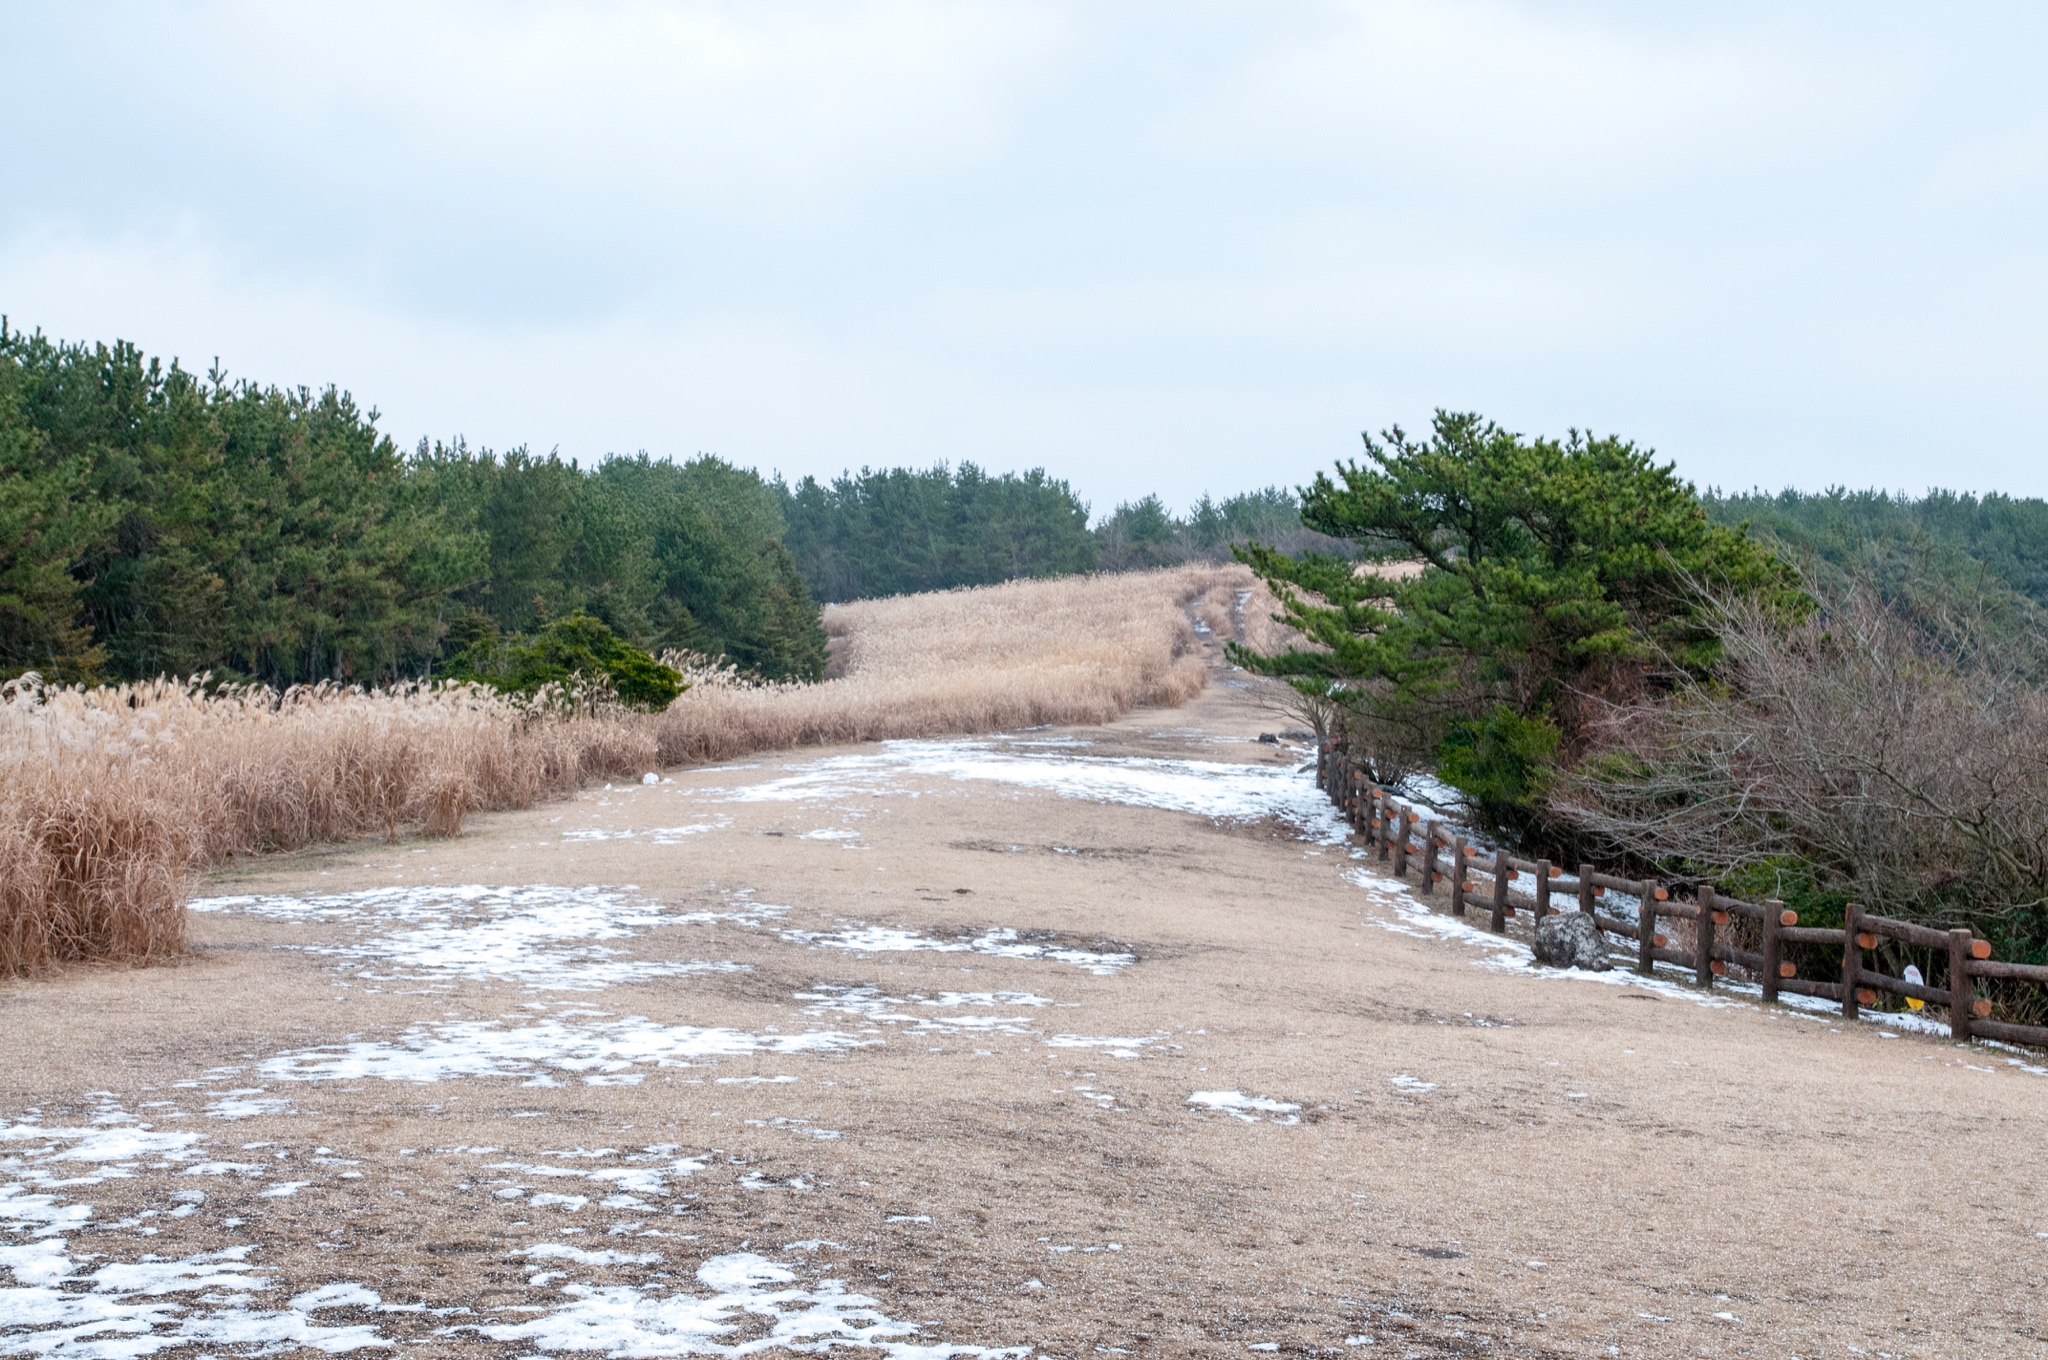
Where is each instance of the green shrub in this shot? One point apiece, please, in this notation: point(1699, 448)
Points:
point(579, 646)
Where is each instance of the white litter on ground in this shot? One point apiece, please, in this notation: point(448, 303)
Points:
point(1413, 1085)
point(744, 1292)
point(599, 1054)
point(1250, 1109)
point(1001, 942)
point(542, 936)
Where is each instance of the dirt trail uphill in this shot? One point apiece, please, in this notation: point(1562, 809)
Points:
point(1064, 1043)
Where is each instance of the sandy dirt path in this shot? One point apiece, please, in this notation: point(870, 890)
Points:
point(1075, 1042)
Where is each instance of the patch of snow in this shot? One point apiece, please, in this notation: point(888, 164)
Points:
point(948, 1011)
point(659, 835)
point(1410, 915)
point(645, 1173)
point(598, 1054)
point(246, 1105)
point(1000, 942)
point(1221, 790)
point(743, 1293)
point(1114, 1047)
point(62, 1306)
point(555, 1251)
point(1250, 1109)
point(542, 936)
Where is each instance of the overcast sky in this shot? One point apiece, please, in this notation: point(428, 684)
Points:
point(1165, 246)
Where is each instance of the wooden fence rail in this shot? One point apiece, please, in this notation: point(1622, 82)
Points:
point(1396, 832)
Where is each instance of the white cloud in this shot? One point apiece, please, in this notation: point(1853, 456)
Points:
point(1150, 246)
point(1481, 98)
point(723, 107)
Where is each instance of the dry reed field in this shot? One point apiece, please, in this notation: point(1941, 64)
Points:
point(112, 797)
point(1023, 654)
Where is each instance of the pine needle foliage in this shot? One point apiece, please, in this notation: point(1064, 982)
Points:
point(1496, 585)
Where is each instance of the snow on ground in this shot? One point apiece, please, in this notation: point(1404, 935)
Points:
point(619, 1180)
point(70, 1304)
point(948, 1012)
point(1250, 1109)
point(543, 937)
point(660, 835)
point(599, 1053)
point(1000, 942)
point(63, 1304)
point(1112, 1046)
point(1224, 790)
point(67, 1302)
point(747, 1304)
point(1408, 914)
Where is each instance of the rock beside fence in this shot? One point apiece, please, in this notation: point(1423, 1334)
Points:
point(1571, 940)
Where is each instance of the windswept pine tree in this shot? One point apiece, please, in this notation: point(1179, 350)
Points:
point(1537, 574)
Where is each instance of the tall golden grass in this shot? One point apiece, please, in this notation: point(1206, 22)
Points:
point(111, 797)
point(1079, 649)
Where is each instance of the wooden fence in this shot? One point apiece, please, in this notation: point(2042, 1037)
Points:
point(1398, 833)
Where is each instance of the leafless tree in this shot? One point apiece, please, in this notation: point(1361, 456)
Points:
point(1904, 759)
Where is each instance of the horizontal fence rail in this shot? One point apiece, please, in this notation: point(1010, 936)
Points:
point(1396, 834)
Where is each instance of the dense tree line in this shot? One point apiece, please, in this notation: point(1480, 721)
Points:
point(1931, 560)
point(2004, 538)
point(153, 521)
point(898, 530)
point(1144, 533)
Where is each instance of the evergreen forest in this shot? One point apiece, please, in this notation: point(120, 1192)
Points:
point(153, 522)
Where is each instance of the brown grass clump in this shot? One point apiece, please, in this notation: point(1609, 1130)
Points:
point(1078, 649)
point(111, 797)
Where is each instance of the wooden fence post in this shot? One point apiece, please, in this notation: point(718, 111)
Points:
point(1646, 928)
point(1542, 890)
point(1428, 858)
point(1586, 888)
point(1961, 992)
point(1401, 843)
point(1852, 959)
point(1703, 939)
point(1501, 871)
point(1457, 875)
point(1774, 947)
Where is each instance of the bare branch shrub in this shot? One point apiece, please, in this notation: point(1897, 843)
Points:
point(1902, 760)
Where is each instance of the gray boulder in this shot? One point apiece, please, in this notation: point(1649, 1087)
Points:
point(1571, 940)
